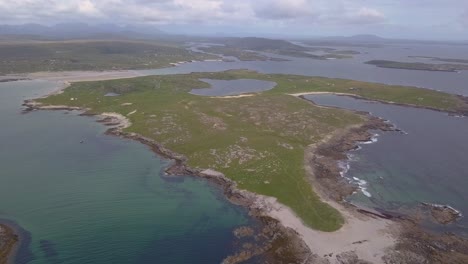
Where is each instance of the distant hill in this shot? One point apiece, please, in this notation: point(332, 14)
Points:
point(368, 39)
point(357, 38)
point(79, 30)
point(262, 44)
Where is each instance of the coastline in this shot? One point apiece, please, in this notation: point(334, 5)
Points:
point(412, 243)
point(367, 235)
point(19, 251)
point(8, 241)
point(362, 237)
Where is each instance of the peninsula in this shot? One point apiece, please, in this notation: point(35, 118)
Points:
point(272, 152)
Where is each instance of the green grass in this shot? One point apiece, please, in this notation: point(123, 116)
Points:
point(445, 67)
point(258, 141)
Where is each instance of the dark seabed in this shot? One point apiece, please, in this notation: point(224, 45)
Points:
point(103, 201)
point(425, 163)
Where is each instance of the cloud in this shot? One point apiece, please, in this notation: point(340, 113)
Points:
point(87, 8)
point(281, 9)
point(345, 16)
point(179, 11)
point(366, 15)
point(464, 18)
point(245, 15)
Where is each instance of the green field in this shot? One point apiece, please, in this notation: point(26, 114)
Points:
point(93, 55)
point(257, 141)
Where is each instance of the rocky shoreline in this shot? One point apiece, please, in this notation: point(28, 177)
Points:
point(325, 157)
point(8, 240)
point(273, 242)
point(276, 243)
point(443, 214)
point(414, 244)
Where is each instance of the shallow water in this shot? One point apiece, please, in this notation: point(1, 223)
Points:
point(233, 87)
point(426, 163)
point(103, 201)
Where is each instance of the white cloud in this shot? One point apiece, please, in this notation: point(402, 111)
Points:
point(175, 11)
point(367, 15)
point(281, 9)
point(87, 8)
point(369, 12)
point(245, 15)
point(464, 18)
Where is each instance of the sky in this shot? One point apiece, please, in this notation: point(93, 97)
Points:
point(415, 19)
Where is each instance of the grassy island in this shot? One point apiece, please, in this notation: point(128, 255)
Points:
point(258, 141)
point(445, 67)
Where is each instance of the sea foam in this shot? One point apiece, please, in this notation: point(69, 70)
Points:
point(373, 139)
point(362, 186)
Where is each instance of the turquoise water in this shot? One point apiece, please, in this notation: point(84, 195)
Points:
point(426, 163)
point(103, 201)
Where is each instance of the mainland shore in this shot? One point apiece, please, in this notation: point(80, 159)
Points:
point(8, 241)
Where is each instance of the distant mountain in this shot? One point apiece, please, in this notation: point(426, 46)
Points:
point(81, 30)
point(357, 38)
point(368, 39)
point(261, 44)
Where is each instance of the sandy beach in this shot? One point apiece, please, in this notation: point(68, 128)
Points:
point(233, 96)
point(369, 237)
point(312, 93)
point(80, 76)
point(366, 236)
